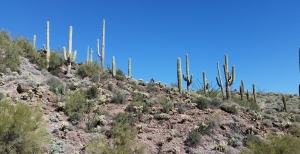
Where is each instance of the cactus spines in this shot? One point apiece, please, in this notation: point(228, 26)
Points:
point(69, 57)
point(113, 66)
point(242, 89)
point(254, 92)
point(219, 81)
point(284, 102)
point(103, 44)
point(34, 40)
point(129, 68)
point(179, 74)
point(188, 78)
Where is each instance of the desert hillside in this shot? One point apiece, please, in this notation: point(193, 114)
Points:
point(61, 106)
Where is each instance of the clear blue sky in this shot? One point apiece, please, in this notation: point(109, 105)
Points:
point(261, 38)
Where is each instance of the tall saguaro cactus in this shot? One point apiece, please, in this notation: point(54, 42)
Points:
point(219, 81)
point(254, 92)
point(242, 89)
point(47, 47)
point(205, 84)
point(113, 66)
point(69, 57)
point(179, 79)
point(188, 78)
point(103, 44)
point(91, 56)
point(229, 78)
point(129, 68)
point(34, 40)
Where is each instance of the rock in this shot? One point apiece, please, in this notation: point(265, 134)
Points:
point(23, 88)
point(61, 75)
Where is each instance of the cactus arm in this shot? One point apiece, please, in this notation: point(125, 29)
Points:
point(254, 92)
point(74, 56)
point(188, 78)
point(65, 54)
point(34, 40)
point(219, 82)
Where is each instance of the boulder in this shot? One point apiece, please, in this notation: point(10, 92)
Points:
point(23, 88)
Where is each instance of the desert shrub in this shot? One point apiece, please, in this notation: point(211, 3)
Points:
point(1, 96)
point(295, 131)
point(267, 122)
point(22, 129)
point(279, 144)
point(151, 86)
point(120, 75)
point(123, 118)
point(182, 107)
point(118, 98)
point(55, 62)
point(230, 108)
point(206, 127)
point(123, 136)
point(92, 92)
point(76, 106)
point(167, 106)
point(137, 97)
point(89, 69)
point(132, 105)
point(54, 83)
point(201, 102)
point(246, 103)
point(193, 139)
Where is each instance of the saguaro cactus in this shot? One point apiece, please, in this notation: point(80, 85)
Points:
point(129, 68)
point(229, 78)
point(91, 56)
point(69, 58)
point(242, 89)
point(34, 40)
point(254, 92)
point(205, 84)
point(47, 47)
point(188, 78)
point(113, 66)
point(103, 44)
point(284, 102)
point(219, 81)
point(87, 54)
point(179, 79)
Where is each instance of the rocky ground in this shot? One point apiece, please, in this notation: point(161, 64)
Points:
point(160, 132)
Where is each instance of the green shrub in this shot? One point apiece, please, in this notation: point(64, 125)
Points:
point(130, 107)
point(295, 131)
point(120, 75)
point(230, 108)
point(89, 70)
point(76, 105)
point(151, 86)
point(124, 118)
point(279, 144)
point(92, 92)
point(167, 106)
point(22, 129)
point(246, 103)
point(55, 62)
point(201, 102)
point(193, 139)
point(118, 98)
point(1, 96)
point(54, 83)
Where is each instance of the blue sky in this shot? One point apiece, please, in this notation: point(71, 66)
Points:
point(261, 38)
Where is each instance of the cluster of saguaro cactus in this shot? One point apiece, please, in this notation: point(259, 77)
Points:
point(188, 78)
point(205, 84)
point(179, 74)
point(47, 47)
point(129, 68)
point(229, 78)
point(103, 44)
point(69, 57)
point(113, 66)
